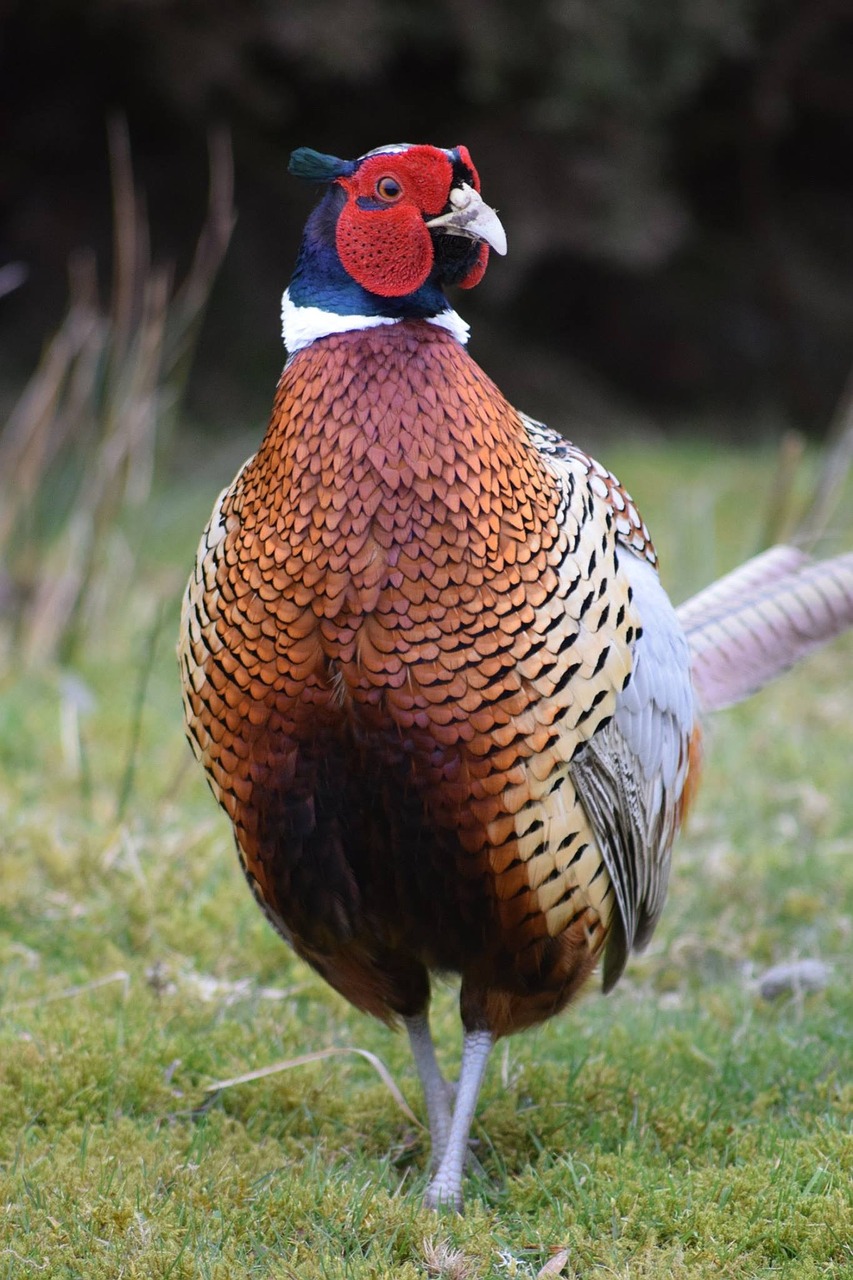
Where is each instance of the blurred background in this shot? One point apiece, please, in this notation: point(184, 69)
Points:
point(676, 181)
point(675, 178)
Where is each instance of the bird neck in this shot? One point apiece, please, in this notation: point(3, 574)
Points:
point(322, 298)
point(303, 323)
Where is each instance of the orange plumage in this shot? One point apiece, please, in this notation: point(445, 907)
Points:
point(385, 600)
point(427, 662)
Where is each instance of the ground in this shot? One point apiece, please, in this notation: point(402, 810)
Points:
point(681, 1127)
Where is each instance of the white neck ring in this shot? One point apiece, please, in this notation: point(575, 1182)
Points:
point(302, 325)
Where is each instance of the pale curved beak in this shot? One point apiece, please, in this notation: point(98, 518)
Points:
point(471, 218)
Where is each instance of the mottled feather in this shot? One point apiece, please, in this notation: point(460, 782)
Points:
point(427, 661)
point(404, 625)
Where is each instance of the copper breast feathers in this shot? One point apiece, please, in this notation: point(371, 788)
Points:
point(405, 623)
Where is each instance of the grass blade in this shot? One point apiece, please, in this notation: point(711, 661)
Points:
point(318, 1056)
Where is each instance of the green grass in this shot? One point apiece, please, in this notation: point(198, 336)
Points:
point(682, 1127)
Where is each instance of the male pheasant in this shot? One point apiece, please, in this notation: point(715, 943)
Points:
point(427, 660)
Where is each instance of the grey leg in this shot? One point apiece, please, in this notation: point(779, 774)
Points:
point(445, 1189)
point(435, 1087)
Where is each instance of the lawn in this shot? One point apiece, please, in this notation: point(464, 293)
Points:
point(682, 1127)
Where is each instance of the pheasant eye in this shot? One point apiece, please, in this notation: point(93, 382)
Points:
point(388, 189)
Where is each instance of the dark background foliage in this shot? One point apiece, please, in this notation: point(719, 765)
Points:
point(675, 177)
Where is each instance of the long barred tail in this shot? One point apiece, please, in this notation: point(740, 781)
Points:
point(756, 622)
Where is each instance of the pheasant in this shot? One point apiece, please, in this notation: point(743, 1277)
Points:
point(427, 660)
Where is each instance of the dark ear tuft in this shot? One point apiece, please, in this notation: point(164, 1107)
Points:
point(315, 167)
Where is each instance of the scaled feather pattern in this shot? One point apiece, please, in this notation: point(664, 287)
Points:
point(428, 663)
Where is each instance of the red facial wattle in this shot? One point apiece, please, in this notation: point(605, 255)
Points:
point(478, 270)
point(465, 157)
point(381, 236)
point(388, 253)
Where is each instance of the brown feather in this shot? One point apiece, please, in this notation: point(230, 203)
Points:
point(377, 649)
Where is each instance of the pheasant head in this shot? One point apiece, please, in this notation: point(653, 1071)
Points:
point(391, 231)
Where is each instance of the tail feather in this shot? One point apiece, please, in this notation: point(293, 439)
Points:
point(759, 620)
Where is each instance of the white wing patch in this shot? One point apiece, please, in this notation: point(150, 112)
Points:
point(656, 709)
point(631, 775)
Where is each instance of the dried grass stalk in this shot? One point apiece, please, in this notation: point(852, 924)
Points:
point(318, 1056)
point(80, 445)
